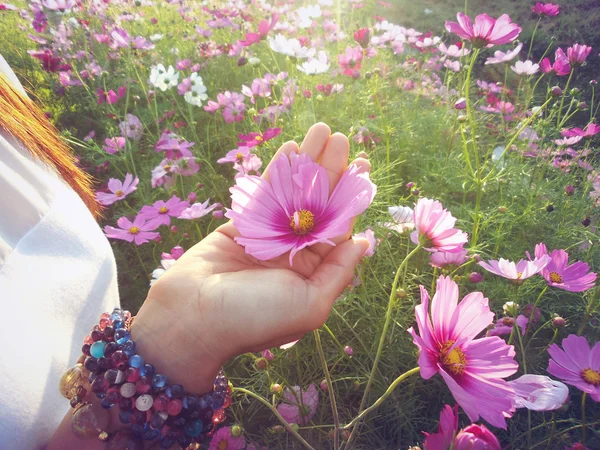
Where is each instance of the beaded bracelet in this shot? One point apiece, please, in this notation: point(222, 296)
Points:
point(158, 411)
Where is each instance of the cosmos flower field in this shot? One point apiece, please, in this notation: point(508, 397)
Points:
point(473, 317)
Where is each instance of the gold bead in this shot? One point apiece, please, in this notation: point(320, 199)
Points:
point(71, 379)
point(89, 420)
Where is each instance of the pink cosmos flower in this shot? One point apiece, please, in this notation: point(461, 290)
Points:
point(402, 217)
point(476, 437)
point(447, 428)
point(197, 210)
point(254, 139)
point(486, 31)
point(504, 325)
point(546, 9)
point(132, 127)
point(248, 166)
point(577, 446)
point(525, 68)
point(174, 146)
point(351, 60)
point(162, 211)
point(561, 66)
point(590, 130)
point(578, 53)
point(294, 209)
point(223, 439)
point(301, 407)
point(118, 190)
point(472, 368)
point(235, 156)
point(568, 141)
point(114, 145)
point(443, 259)
point(435, 228)
point(263, 29)
point(369, 235)
point(574, 278)
point(539, 393)
point(139, 230)
point(362, 37)
point(454, 50)
point(176, 253)
point(517, 272)
point(110, 97)
point(500, 57)
point(577, 365)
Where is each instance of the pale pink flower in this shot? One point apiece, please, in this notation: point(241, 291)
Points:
point(517, 272)
point(118, 190)
point(504, 325)
point(444, 259)
point(403, 219)
point(139, 230)
point(486, 31)
point(435, 228)
point(114, 145)
point(578, 53)
point(162, 211)
point(453, 50)
point(301, 407)
point(174, 146)
point(235, 156)
point(294, 209)
point(568, 140)
point(539, 393)
point(525, 68)
point(132, 127)
point(351, 59)
point(197, 210)
point(248, 166)
point(369, 235)
point(472, 368)
point(500, 57)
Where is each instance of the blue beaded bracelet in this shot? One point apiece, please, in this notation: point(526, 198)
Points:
point(155, 409)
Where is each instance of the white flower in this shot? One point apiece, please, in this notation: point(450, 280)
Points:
point(197, 94)
point(156, 37)
point(290, 47)
point(525, 67)
point(453, 50)
point(307, 14)
point(428, 42)
point(316, 65)
point(539, 393)
point(253, 61)
point(403, 219)
point(165, 264)
point(163, 78)
point(500, 57)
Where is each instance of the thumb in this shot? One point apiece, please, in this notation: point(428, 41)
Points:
point(334, 274)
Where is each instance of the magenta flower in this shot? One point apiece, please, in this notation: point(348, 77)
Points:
point(132, 127)
point(504, 325)
point(294, 209)
point(578, 53)
point(590, 130)
point(197, 210)
point(435, 228)
point(546, 9)
point(174, 146)
point(577, 365)
point(561, 66)
point(114, 145)
point(472, 368)
point(223, 439)
point(162, 211)
point(447, 428)
point(139, 230)
point(110, 97)
point(476, 437)
point(362, 37)
point(118, 190)
point(517, 272)
point(486, 31)
point(301, 407)
point(444, 259)
point(263, 29)
point(255, 139)
point(539, 393)
point(351, 60)
point(574, 278)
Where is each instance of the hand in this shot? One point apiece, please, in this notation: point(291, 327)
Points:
point(217, 302)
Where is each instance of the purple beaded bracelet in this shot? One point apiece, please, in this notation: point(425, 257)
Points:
point(155, 409)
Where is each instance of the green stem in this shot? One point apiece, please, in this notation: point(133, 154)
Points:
point(583, 424)
point(274, 411)
point(533, 36)
point(552, 430)
point(381, 399)
point(562, 100)
point(334, 411)
point(533, 309)
point(386, 324)
point(549, 343)
point(536, 332)
point(137, 252)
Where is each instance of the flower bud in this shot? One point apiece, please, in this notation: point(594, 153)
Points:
point(593, 82)
point(235, 430)
point(415, 192)
point(276, 388)
point(550, 208)
point(586, 222)
point(242, 61)
point(410, 185)
point(475, 277)
point(294, 427)
point(192, 197)
point(261, 363)
point(559, 322)
point(502, 209)
point(323, 385)
point(511, 309)
point(348, 350)
point(217, 214)
point(462, 118)
point(185, 235)
point(475, 436)
point(319, 98)
point(556, 91)
point(268, 355)
point(307, 93)
point(569, 189)
point(278, 429)
point(401, 293)
point(174, 229)
point(461, 103)
point(574, 91)
point(368, 75)
point(253, 61)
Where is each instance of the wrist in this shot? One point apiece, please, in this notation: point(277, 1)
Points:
point(163, 340)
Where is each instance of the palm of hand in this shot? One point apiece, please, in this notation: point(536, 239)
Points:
point(242, 304)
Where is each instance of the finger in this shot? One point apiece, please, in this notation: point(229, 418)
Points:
point(315, 141)
point(331, 278)
point(285, 149)
point(334, 158)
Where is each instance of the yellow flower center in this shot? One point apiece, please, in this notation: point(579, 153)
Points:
point(163, 210)
point(119, 193)
point(302, 222)
point(134, 230)
point(507, 321)
point(167, 167)
point(519, 275)
point(258, 138)
point(454, 360)
point(555, 278)
point(223, 445)
point(239, 157)
point(591, 376)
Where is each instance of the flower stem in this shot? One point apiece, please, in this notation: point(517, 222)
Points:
point(533, 309)
point(381, 399)
point(533, 36)
point(386, 324)
point(562, 100)
point(334, 411)
point(583, 424)
point(551, 430)
point(274, 411)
